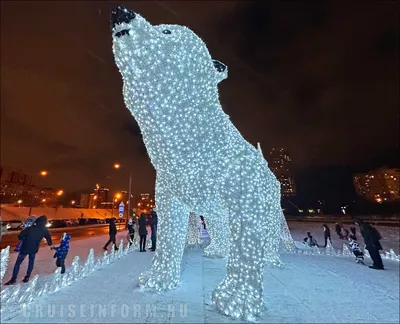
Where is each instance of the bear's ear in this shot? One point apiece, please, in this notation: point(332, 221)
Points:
point(221, 70)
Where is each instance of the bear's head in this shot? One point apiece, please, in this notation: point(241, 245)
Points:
point(162, 65)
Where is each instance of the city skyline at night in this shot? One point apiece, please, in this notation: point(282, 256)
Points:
point(290, 85)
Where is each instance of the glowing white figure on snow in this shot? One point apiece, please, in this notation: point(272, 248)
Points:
point(203, 163)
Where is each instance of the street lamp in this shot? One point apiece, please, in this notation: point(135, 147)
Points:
point(72, 202)
point(117, 166)
point(19, 202)
point(115, 199)
point(43, 173)
point(60, 192)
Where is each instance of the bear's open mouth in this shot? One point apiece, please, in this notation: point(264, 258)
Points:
point(122, 33)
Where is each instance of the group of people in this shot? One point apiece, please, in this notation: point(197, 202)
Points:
point(34, 230)
point(370, 235)
point(142, 230)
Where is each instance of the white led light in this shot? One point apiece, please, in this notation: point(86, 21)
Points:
point(203, 164)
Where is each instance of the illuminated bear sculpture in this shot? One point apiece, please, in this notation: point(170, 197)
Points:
point(203, 164)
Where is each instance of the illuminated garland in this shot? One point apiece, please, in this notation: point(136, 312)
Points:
point(204, 165)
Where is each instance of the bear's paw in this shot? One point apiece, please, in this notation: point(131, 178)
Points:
point(158, 280)
point(238, 299)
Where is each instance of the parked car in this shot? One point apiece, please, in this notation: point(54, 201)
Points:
point(92, 221)
point(83, 221)
point(5, 225)
point(57, 223)
point(71, 222)
point(14, 225)
point(101, 221)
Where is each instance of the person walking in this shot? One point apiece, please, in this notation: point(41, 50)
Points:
point(131, 231)
point(371, 238)
point(31, 238)
point(153, 224)
point(142, 232)
point(327, 235)
point(62, 251)
point(112, 232)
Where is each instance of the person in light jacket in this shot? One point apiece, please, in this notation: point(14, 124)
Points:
point(131, 231)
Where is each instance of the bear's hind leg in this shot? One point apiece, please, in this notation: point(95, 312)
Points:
point(252, 197)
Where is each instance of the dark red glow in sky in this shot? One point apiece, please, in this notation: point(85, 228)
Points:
point(319, 78)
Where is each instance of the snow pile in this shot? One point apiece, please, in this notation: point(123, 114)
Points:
point(301, 248)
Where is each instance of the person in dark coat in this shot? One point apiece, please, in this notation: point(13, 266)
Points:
point(131, 231)
point(338, 229)
point(327, 234)
point(371, 238)
point(31, 238)
point(353, 232)
point(153, 225)
point(142, 232)
point(112, 231)
point(62, 251)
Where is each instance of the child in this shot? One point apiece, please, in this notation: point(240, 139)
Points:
point(310, 240)
point(62, 251)
point(28, 223)
point(356, 249)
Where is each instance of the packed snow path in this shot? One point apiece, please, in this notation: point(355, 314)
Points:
point(308, 289)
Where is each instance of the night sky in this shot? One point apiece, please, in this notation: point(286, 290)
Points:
point(318, 78)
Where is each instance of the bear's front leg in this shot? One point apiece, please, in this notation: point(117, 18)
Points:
point(164, 271)
point(253, 201)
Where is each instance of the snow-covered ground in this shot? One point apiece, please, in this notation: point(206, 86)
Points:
point(308, 289)
point(390, 235)
point(45, 264)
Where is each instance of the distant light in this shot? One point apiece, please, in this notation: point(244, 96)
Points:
point(117, 166)
point(19, 201)
point(44, 173)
